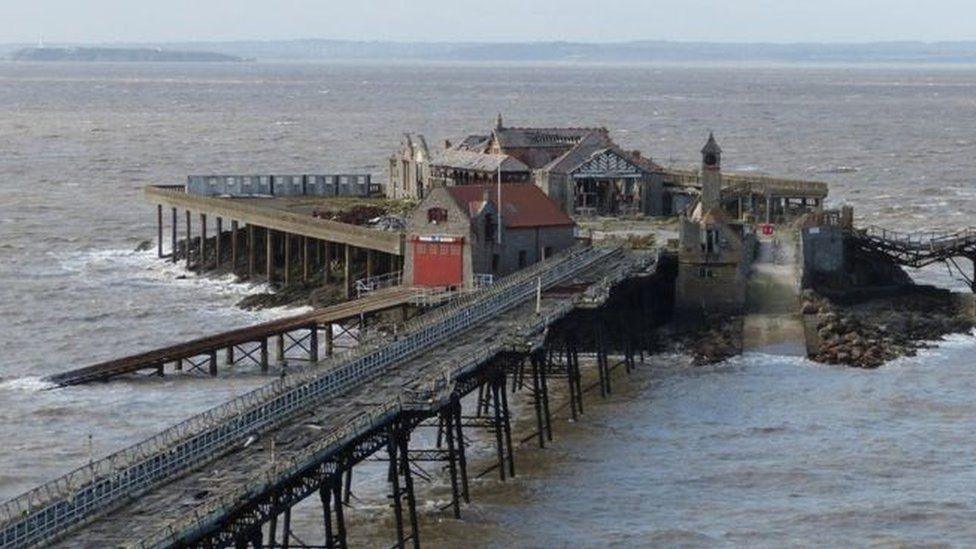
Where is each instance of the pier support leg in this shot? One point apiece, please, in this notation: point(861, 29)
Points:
point(189, 230)
point(286, 529)
point(220, 237)
point(269, 255)
point(230, 355)
point(328, 340)
point(347, 271)
point(340, 515)
point(213, 363)
point(173, 236)
point(287, 243)
point(280, 348)
point(202, 263)
point(304, 259)
point(234, 245)
point(251, 259)
point(326, 262)
point(369, 263)
point(264, 355)
point(398, 444)
point(313, 343)
point(159, 231)
point(462, 459)
point(497, 423)
point(577, 376)
point(447, 419)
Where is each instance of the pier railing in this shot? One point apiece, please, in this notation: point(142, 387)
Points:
point(920, 239)
point(81, 494)
point(368, 285)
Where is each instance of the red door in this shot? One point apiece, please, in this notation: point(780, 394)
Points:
point(437, 263)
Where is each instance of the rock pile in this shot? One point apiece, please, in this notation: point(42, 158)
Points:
point(719, 340)
point(869, 334)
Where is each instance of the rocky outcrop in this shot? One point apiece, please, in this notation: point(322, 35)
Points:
point(868, 334)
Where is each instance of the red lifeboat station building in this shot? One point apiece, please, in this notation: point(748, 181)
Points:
point(454, 239)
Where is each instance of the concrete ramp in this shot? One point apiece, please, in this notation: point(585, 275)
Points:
point(773, 324)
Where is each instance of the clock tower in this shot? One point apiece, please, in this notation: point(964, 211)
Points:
point(711, 174)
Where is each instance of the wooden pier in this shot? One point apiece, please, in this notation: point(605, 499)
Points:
point(247, 344)
point(230, 476)
point(273, 239)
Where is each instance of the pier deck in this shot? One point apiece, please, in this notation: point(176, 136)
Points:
point(215, 479)
point(380, 300)
point(275, 214)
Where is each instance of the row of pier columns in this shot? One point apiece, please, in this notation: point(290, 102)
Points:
point(287, 258)
point(527, 373)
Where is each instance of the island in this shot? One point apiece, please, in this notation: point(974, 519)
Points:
point(121, 55)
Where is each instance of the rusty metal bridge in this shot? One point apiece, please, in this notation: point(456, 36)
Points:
point(225, 477)
point(919, 249)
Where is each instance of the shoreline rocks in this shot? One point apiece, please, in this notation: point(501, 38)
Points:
point(871, 333)
point(716, 339)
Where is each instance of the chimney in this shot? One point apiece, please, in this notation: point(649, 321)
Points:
point(636, 153)
point(447, 143)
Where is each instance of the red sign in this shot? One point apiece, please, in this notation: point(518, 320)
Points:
point(767, 228)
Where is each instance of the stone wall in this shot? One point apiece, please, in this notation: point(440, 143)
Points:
point(833, 265)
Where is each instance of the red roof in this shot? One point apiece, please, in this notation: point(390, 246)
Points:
point(525, 205)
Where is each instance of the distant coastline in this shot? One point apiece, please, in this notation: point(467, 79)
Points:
point(88, 54)
point(644, 51)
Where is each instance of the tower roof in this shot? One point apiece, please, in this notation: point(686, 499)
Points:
point(711, 146)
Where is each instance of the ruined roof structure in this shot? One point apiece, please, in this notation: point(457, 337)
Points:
point(485, 162)
point(524, 205)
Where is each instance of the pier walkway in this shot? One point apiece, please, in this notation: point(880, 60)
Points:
point(224, 477)
point(245, 344)
point(919, 249)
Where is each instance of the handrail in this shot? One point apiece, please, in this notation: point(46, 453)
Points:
point(366, 422)
point(68, 500)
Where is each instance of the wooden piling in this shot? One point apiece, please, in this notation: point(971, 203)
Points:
point(347, 271)
point(202, 263)
point(328, 340)
point(287, 244)
point(173, 236)
point(220, 236)
point(233, 245)
point(251, 259)
point(269, 255)
point(264, 355)
point(327, 263)
point(304, 259)
point(159, 231)
point(188, 238)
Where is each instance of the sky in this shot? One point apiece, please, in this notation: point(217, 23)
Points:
point(783, 21)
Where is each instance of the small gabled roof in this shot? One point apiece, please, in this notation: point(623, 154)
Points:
point(524, 205)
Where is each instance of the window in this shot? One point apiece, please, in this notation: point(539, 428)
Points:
point(436, 215)
point(709, 241)
point(546, 252)
point(522, 259)
point(705, 272)
point(494, 263)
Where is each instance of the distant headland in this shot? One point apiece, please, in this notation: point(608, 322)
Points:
point(120, 54)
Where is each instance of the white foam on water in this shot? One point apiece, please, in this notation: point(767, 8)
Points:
point(26, 385)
